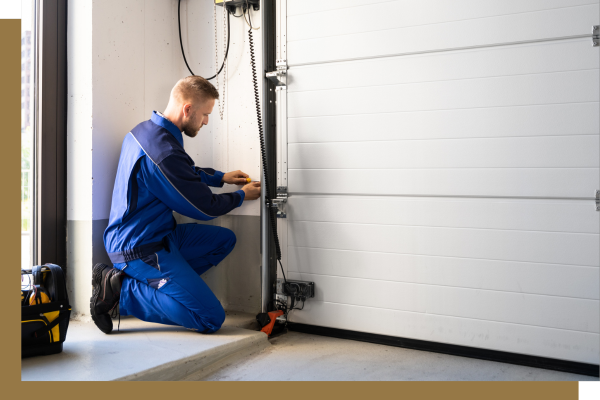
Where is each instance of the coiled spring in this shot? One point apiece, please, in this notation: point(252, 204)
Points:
point(263, 151)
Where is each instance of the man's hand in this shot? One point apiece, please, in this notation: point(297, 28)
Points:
point(235, 178)
point(252, 191)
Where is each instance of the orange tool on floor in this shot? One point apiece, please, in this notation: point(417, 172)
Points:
point(268, 328)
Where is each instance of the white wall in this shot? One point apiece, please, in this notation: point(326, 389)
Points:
point(124, 58)
point(79, 151)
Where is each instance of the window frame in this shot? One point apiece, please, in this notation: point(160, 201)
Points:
point(50, 134)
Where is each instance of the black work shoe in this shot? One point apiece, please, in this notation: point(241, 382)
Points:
point(106, 290)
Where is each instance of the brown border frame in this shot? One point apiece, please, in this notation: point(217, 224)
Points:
point(51, 134)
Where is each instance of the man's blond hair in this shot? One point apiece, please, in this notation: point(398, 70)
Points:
point(193, 88)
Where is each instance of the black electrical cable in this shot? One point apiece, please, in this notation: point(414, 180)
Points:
point(249, 22)
point(181, 42)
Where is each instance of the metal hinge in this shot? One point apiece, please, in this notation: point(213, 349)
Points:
point(597, 200)
point(596, 35)
point(278, 77)
point(280, 201)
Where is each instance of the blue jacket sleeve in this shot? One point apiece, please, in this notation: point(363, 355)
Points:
point(210, 176)
point(174, 181)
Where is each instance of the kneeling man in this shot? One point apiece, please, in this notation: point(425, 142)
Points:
point(157, 263)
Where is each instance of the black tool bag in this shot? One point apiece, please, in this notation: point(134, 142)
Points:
point(44, 324)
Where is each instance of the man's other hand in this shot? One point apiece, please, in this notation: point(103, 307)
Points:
point(235, 178)
point(252, 191)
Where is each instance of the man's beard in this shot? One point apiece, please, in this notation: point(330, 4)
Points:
point(190, 131)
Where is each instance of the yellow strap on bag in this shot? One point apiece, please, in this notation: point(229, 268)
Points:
point(55, 332)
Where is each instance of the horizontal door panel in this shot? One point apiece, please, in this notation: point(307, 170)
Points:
point(517, 308)
point(524, 27)
point(522, 90)
point(507, 182)
point(514, 338)
point(541, 152)
point(530, 58)
point(543, 120)
point(298, 7)
point(575, 216)
point(505, 276)
point(367, 16)
point(528, 246)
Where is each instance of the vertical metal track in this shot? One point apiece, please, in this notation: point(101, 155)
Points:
point(268, 257)
point(282, 141)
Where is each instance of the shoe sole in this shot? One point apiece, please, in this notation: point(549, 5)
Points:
point(96, 286)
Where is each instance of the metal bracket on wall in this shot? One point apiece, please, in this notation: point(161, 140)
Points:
point(280, 201)
point(597, 200)
point(279, 77)
point(596, 35)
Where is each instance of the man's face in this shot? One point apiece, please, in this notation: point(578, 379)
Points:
point(195, 117)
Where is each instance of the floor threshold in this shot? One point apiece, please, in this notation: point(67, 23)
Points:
point(143, 351)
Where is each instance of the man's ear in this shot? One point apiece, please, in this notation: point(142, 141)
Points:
point(187, 109)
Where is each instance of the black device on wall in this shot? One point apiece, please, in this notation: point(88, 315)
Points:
point(231, 5)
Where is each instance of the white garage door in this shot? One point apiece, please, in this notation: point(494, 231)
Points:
point(442, 161)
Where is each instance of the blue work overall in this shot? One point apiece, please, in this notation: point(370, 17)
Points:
point(163, 261)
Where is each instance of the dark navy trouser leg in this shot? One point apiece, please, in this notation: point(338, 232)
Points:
point(193, 240)
point(166, 287)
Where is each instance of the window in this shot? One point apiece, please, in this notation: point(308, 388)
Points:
point(43, 132)
point(27, 130)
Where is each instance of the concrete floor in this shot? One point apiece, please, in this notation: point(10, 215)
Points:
point(302, 357)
